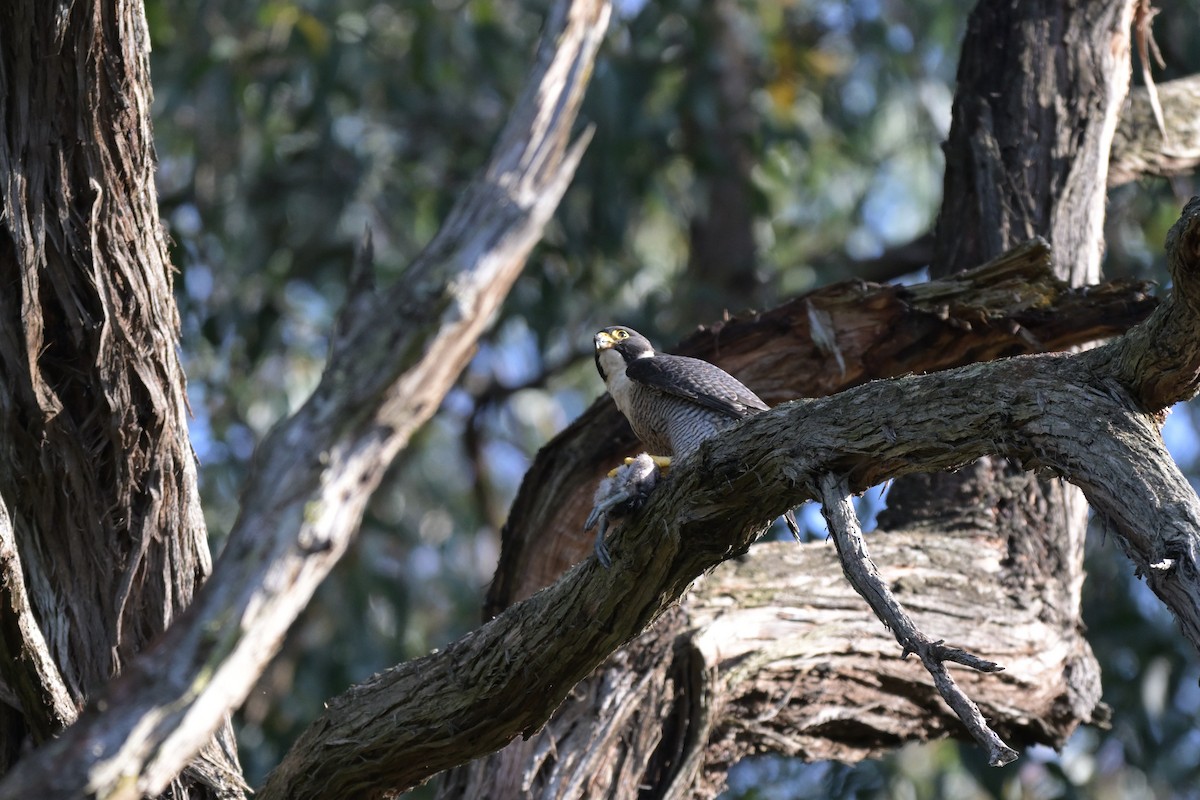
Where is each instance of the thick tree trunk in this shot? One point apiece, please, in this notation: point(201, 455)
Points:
point(722, 256)
point(96, 468)
point(1040, 90)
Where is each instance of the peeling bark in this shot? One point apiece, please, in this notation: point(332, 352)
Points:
point(393, 357)
point(30, 674)
point(96, 468)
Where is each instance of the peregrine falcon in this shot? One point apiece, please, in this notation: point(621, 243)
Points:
point(673, 403)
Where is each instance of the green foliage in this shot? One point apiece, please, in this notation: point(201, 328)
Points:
point(286, 128)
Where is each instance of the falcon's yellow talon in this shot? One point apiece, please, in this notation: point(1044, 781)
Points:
point(662, 462)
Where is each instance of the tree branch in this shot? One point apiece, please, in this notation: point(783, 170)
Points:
point(1138, 151)
point(773, 649)
point(1159, 361)
point(1138, 148)
point(388, 369)
point(864, 577)
point(1062, 413)
point(1010, 306)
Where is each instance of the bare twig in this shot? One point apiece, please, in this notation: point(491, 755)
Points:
point(1147, 48)
point(834, 494)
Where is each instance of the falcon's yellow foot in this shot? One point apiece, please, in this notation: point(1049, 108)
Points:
point(662, 462)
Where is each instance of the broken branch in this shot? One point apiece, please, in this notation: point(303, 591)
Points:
point(842, 520)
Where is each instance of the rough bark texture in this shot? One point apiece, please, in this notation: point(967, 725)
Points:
point(1138, 152)
point(823, 342)
point(96, 468)
point(797, 667)
point(1040, 87)
point(1063, 414)
point(392, 359)
point(31, 678)
point(1040, 90)
point(1157, 372)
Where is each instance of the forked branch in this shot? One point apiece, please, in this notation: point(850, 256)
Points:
point(842, 520)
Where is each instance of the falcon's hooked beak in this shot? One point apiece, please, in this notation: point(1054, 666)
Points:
point(605, 342)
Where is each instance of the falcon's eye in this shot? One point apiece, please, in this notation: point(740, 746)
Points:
point(621, 334)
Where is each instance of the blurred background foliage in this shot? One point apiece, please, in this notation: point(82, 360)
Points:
point(745, 151)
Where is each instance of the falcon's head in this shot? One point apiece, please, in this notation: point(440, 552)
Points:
point(616, 347)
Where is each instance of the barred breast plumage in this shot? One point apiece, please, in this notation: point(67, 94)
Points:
point(673, 403)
